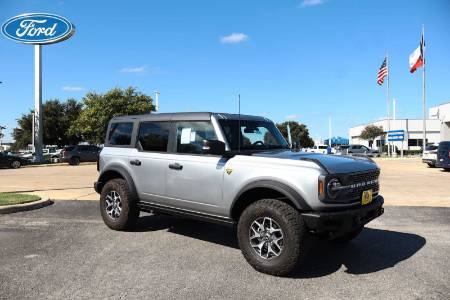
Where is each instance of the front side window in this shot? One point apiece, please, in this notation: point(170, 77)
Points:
point(154, 136)
point(120, 133)
point(254, 135)
point(190, 136)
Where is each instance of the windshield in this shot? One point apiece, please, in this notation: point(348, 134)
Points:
point(254, 135)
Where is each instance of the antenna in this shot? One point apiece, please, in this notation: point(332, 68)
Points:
point(239, 122)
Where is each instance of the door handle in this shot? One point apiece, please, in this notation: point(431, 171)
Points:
point(175, 166)
point(135, 162)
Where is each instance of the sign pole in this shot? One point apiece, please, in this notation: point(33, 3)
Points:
point(424, 141)
point(38, 123)
point(388, 104)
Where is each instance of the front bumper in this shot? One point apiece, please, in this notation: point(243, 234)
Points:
point(336, 223)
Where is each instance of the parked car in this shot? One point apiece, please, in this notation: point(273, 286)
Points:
point(12, 161)
point(79, 153)
point(342, 149)
point(430, 155)
point(359, 150)
point(48, 154)
point(323, 149)
point(443, 155)
point(236, 170)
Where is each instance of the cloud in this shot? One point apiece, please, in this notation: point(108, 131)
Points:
point(306, 3)
point(235, 37)
point(140, 69)
point(292, 117)
point(73, 88)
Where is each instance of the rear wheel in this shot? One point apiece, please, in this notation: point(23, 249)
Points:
point(431, 165)
point(15, 164)
point(272, 236)
point(74, 161)
point(118, 208)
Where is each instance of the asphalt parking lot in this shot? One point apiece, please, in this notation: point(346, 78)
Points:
point(65, 251)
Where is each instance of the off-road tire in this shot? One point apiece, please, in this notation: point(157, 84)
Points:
point(349, 236)
point(431, 165)
point(74, 161)
point(130, 211)
point(296, 237)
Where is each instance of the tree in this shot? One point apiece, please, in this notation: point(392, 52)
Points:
point(22, 133)
point(57, 118)
point(371, 132)
point(98, 109)
point(299, 133)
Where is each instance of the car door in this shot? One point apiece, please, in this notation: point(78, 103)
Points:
point(149, 161)
point(194, 180)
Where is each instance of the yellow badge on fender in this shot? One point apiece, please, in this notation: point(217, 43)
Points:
point(229, 170)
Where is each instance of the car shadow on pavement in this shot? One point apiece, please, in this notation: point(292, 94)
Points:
point(209, 232)
point(373, 250)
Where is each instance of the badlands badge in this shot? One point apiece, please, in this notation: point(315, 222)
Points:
point(229, 170)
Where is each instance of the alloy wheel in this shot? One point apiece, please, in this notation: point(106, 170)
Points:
point(113, 204)
point(266, 238)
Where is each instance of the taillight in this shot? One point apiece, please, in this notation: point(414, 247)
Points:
point(448, 153)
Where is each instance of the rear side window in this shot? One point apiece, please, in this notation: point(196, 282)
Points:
point(120, 133)
point(154, 136)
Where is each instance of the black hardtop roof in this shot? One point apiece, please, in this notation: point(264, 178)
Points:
point(186, 116)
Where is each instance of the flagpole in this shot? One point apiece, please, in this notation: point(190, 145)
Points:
point(388, 103)
point(424, 144)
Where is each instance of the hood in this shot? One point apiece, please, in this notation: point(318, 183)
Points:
point(333, 164)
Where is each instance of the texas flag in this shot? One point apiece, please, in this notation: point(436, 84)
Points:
point(416, 59)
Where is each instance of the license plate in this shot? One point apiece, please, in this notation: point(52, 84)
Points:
point(366, 197)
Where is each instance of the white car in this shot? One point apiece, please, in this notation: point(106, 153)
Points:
point(429, 156)
point(321, 149)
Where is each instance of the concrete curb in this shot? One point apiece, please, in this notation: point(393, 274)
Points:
point(8, 209)
point(57, 165)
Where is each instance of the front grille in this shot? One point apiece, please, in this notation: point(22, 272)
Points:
point(360, 182)
point(363, 176)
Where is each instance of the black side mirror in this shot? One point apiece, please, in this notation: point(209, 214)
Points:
point(213, 147)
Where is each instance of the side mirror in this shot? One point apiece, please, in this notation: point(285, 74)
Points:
point(213, 147)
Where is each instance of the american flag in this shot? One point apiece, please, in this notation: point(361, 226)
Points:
point(383, 72)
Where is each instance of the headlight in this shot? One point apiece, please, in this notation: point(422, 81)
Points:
point(334, 186)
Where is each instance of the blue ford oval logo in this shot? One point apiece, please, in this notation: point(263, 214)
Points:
point(38, 28)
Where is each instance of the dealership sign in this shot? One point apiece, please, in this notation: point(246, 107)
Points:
point(38, 28)
point(396, 135)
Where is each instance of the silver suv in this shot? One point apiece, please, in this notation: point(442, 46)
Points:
point(237, 170)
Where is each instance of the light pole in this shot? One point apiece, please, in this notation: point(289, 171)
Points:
point(157, 93)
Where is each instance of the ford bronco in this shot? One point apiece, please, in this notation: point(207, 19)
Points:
point(237, 170)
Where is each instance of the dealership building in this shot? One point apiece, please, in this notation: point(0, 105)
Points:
point(437, 129)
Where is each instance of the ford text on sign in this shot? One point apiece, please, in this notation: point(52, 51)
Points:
point(38, 28)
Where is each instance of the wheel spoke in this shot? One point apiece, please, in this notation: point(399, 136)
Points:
point(266, 237)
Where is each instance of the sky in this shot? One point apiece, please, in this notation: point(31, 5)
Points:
point(303, 60)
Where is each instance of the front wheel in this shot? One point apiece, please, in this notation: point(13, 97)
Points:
point(272, 237)
point(118, 207)
point(431, 165)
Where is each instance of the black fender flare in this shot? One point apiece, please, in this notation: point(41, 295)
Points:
point(291, 194)
point(123, 173)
